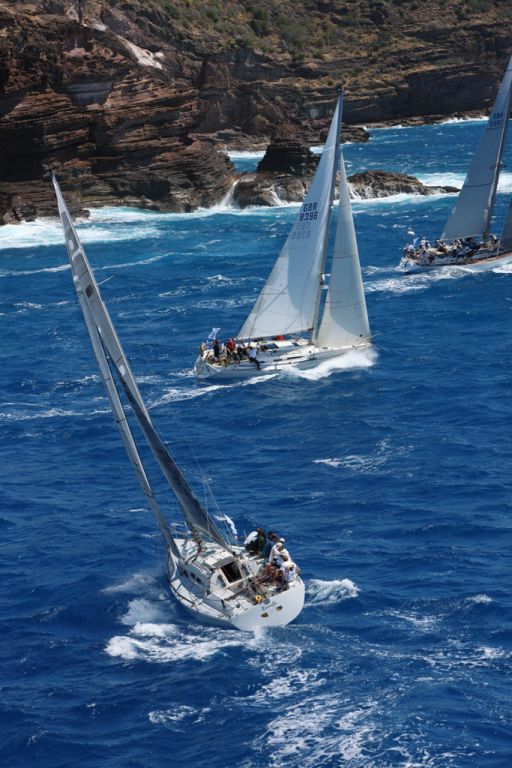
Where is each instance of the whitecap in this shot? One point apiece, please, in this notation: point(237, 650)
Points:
point(479, 599)
point(330, 592)
point(165, 716)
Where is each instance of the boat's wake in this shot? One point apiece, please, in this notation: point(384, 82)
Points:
point(415, 281)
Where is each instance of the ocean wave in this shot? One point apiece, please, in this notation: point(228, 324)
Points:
point(321, 593)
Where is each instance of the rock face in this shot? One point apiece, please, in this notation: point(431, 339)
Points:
point(129, 102)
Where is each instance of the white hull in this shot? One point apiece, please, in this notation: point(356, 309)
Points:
point(300, 354)
point(482, 264)
point(236, 605)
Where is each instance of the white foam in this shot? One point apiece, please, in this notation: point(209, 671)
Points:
point(48, 414)
point(246, 155)
point(452, 120)
point(422, 623)
point(330, 592)
point(292, 683)
point(416, 281)
point(165, 643)
point(479, 599)
point(312, 734)
point(446, 179)
point(166, 716)
point(43, 232)
point(366, 463)
point(177, 394)
point(143, 611)
point(139, 582)
point(353, 360)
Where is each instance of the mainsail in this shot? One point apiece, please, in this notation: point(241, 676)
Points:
point(289, 299)
point(344, 319)
point(106, 346)
point(472, 212)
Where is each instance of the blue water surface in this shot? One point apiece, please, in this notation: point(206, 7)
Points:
point(390, 477)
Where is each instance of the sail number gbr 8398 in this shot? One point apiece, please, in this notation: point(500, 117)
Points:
point(302, 229)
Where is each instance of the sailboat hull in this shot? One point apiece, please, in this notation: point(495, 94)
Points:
point(483, 264)
point(235, 607)
point(302, 355)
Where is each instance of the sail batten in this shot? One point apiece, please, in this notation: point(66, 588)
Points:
point(288, 302)
point(471, 215)
point(106, 346)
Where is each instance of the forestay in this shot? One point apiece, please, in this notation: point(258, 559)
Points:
point(288, 300)
point(472, 212)
point(105, 340)
point(345, 319)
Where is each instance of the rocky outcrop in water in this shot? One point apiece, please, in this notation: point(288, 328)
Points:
point(274, 189)
point(372, 184)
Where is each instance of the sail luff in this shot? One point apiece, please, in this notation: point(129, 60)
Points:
point(103, 334)
point(345, 318)
point(329, 217)
point(288, 300)
point(471, 215)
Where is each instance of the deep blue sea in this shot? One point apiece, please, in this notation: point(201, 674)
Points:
point(390, 476)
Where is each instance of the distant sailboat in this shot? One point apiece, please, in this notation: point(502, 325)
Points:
point(466, 240)
point(209, 574)
point(290, 324)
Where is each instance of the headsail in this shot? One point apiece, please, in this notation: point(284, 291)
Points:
point(344, 319)
point(288, 300)
point(472, 212)
point(106, 342)
point(506, 235)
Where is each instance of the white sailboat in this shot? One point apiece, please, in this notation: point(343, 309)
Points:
point(292, 323)
point(466, 240)
point(216, 579)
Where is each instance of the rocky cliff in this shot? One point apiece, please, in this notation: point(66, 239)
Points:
point(132, 102)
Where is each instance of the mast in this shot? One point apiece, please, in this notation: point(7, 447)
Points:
point(107, 347)
point(329, 217)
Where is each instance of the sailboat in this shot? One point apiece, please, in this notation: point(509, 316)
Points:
point(212, 576)
point(294, 322)
point(466, 240)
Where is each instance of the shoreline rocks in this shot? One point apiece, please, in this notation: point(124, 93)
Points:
point(130, 103)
